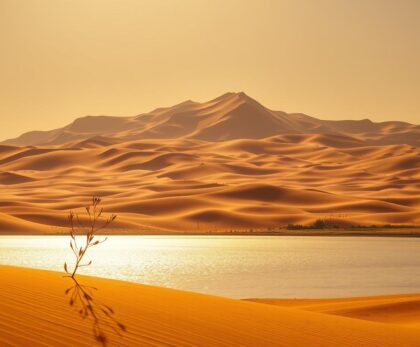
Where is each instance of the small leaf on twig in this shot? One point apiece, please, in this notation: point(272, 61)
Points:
point(77, 227)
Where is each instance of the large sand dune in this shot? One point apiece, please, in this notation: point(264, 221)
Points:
point(402, 310)
point(36, 309)
point(226, 164)
point(230, 116)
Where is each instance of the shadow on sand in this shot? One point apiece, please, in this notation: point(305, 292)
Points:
point(82, 299)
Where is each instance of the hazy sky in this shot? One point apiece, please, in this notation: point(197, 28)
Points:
point(332, 59)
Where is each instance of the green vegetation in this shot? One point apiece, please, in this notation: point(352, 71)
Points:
point(320, 224)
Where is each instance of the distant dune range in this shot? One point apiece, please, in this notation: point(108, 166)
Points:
point(229, 163)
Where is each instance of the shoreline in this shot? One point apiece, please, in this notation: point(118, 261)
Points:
point(413, 232)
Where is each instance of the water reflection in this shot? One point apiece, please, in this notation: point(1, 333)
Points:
point(82, 299)
point(239, 266)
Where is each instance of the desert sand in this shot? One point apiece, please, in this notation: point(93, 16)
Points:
point(226, 164)
point(35, 310)
point(401, 310)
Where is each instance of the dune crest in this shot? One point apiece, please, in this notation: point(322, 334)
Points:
point(226, 164)
point(401, 310)
point(35, 310)
point(230, 116)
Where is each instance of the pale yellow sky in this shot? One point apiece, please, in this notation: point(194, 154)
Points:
point(332, 59)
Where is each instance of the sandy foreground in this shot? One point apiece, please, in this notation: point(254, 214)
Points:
point(401, 310)
point(35, 310)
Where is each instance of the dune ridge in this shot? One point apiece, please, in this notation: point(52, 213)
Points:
point(401, 310)
point(230, 116)
point(35, 311)
point(195, 167)
point(213, 186)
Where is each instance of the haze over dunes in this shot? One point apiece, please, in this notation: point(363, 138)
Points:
point(229, 163)
point(230, 116)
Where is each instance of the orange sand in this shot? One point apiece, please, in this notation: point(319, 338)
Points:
point(402, 310)
point(229, 163)
point(35, 311)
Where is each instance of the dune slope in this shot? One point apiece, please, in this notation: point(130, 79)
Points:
point(35, 311)
point(403, 310)
point(200, 186)
point(226, 164)
point(230, 116)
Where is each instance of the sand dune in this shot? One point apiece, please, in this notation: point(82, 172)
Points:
point(402, 310)
point(230, 116)
point(13, 178)
point(177, 185)
point(10, 224)
point(35, 310)
point(174, 179)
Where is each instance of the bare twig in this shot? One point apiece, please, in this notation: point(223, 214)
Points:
point(94, 213)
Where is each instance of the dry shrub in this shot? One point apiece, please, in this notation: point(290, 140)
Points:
point(96, 222)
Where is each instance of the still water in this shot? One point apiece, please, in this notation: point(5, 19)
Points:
point(240, 266)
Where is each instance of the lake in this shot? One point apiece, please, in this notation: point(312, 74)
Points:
point(239, 266)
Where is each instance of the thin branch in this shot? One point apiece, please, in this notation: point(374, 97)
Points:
point(94, 214)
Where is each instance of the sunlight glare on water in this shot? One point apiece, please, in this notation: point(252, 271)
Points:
point(239, 266)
